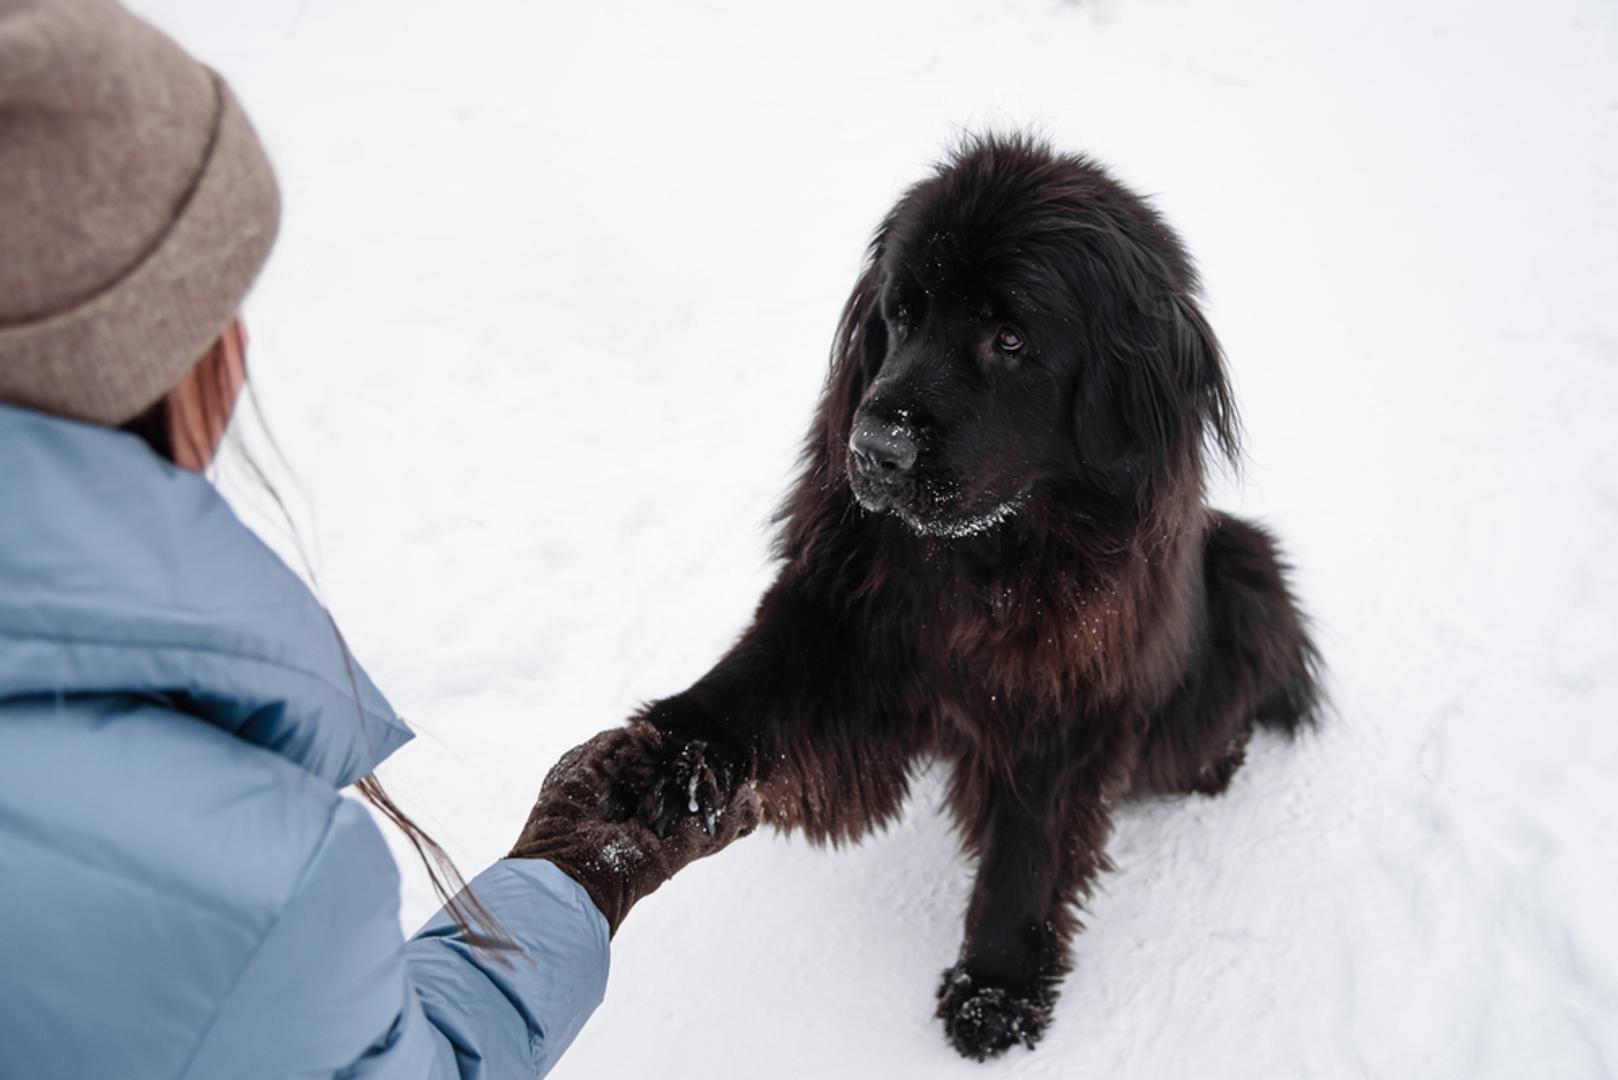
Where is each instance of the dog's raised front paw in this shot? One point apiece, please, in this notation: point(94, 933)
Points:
point(660, 778)
point(982, 1020)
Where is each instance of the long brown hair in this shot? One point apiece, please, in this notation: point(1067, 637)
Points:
point(157, 427)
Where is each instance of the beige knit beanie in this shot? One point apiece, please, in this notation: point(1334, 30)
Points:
point(136, 209)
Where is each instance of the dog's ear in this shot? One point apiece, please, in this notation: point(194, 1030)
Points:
point(1161, 389)
point(857, 353)
point(1199, 363)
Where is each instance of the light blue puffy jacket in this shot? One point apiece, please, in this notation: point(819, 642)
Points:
point(183, 892)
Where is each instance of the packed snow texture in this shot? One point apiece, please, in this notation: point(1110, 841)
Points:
point(549, 314)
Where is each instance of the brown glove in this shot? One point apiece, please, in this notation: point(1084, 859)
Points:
point(619, 862)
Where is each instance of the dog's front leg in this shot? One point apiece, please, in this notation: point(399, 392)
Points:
point(1040, 830)
point(798, 707)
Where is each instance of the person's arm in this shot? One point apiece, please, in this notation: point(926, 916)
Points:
point(333, 987)
point(524, 1007)
point(570, 880)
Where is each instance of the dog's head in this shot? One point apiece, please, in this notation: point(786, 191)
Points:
point(1022, 317)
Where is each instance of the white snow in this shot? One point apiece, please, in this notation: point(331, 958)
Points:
point(547, 320)
point(621, 854)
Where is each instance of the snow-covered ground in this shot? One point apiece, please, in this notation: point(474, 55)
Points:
point(545, 326)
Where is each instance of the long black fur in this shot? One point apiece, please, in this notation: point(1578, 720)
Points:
point(1042, 599)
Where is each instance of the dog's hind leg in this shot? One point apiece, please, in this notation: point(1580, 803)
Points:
point(1039, 831)
point(1254, 667)
point(1259, 634)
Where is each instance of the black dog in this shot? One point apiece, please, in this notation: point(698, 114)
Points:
point(998, 554)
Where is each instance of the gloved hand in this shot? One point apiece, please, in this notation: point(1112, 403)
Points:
point(618, 862)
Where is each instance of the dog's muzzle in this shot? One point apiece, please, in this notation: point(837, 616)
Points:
point(883, 453)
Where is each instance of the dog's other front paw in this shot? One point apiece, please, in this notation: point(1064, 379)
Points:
point(660, 778)
point(982, 1020)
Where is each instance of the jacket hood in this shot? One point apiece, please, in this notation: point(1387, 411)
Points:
point(121, 574)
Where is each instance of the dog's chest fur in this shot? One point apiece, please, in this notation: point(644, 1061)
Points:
point(1021, 647)
point(1036, 644)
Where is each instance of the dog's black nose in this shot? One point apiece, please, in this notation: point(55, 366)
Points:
point(883, 449)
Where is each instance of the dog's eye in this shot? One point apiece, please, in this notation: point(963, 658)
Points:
point(901, 319)
point(1009, 338)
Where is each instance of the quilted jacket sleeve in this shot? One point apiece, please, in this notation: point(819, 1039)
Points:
point(335, 986)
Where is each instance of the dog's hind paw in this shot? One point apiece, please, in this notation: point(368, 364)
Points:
point(1212, 779)
point(982, 1020)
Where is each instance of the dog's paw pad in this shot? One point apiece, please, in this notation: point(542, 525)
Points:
point(982, 1021)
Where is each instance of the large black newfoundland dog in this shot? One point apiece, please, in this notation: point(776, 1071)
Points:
point(998, 555)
